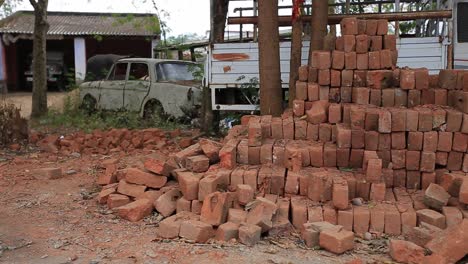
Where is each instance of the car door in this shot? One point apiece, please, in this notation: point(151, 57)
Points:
point(112, 89)
point(137, 86)
point(175, 87)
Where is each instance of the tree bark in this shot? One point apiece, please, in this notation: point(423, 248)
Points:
point(219, 10)
point(319, 23)
point(39, 95)
point(271, 94)
point(296, 52)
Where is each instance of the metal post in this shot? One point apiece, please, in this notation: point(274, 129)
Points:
point(397, 23)
point(348, 4)
point(240, 27)
point(437, 20)
point(255, 13)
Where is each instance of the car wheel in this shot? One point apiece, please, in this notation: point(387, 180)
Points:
point(154, 109)
point(88, 104)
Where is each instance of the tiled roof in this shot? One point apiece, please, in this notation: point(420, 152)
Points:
point(81, 24)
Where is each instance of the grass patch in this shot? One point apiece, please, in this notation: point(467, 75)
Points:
point(73, 118)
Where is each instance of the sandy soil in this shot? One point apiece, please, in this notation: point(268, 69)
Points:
point(59, 221)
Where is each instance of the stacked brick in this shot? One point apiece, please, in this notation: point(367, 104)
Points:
point(333, 166)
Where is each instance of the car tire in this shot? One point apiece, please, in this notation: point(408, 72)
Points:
point(88, 104)
point(154, 109)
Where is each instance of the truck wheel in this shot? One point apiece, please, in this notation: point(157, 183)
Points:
point(153, 109)
point(88, 104)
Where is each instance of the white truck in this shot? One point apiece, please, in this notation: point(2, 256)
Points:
point(227, 62)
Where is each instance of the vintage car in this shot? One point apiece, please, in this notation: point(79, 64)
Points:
point(148, 86)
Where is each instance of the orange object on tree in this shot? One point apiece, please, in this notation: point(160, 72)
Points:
point(297, 9)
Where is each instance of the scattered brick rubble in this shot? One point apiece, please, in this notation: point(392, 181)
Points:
point(111, 141)
point(359, 128)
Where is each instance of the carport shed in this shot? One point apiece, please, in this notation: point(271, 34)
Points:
point(78, 36)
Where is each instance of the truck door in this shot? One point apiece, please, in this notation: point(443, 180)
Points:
point(137, 86)
point(460, 39)
point(112, 89)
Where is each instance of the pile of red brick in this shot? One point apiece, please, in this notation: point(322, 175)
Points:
point(105, 142)
point(349, 158)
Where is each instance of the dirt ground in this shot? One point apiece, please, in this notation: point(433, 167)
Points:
point(59, 221)
point(55, 100)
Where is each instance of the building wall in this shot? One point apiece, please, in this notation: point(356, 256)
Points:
point(139, 47)
point(17, 54)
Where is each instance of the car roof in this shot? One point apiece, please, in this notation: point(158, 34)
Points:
point(150, 60)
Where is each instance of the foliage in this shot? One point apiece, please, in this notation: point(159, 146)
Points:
point(12, 126)
point(72, 117)
point(197, 70)
point(250, 90)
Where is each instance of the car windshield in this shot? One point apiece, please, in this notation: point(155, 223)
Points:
point(174, 72)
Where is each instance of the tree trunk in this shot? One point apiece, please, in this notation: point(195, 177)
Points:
point(271, 94)
point(296, 52)
point(219, 10)
point(39, 95)
point(319, 23)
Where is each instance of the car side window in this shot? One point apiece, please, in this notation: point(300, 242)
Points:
point(119, 72)
point(173, 72)
point(138, 72)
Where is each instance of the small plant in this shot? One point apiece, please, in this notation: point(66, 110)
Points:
point(72, 117)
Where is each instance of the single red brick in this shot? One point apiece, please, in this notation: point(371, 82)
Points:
point(392, 220)
point(454, 120)
point(382, 27)
point(313, 73)
point(379, 79)
point(414, 98)
point(413, 180)
point(398, 140)
point(360, 76)
point(321, 59)
point(357, 139)
point(349, 42)
point(377, 192)
point(371, 140)
point(375, 97)
point(406, 252)
point(215, 208)
point(431, 217)
point(407, 79)
point(362, 44)
point(389, 42)
point(374, 60)
point(430, 141)
point(398, 159)
point(197, 231)
point(303, 73)
point(318, 113)
point(360, 95)
point(422, 79)
point(455, 161)
point(385, 121)
point(349, 26)
point(384, 142)
point(361, 219)
point(338, 60)
point(350, 60)
point(375, 43)
point(135, 211)
point(336, 240)
point(388, 98)
point(413, 160)
point(412, 120)
point(448, 79)
point(460, 142)
point(347, 78)
point(371, 28)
